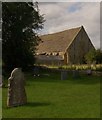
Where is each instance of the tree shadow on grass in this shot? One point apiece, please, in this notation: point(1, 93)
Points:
point(29, 104)
point(52, 78)
point(37, 104)
point(87, 80)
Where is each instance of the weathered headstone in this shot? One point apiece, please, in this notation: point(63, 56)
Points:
point(76, 74)
point(89, 72)
point(64, 75)
point(36, 71)
point(16, 91)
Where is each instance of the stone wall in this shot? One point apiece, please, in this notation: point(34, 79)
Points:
point(49, 60)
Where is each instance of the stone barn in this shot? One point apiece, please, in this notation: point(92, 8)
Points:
point(66, 47)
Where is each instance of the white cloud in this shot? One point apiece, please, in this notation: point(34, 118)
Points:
point(60, 16)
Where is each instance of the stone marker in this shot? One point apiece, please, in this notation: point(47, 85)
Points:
point(76, 74)
point(64, 75)
point(36, 71)
point(16, 90)
point(89, 72)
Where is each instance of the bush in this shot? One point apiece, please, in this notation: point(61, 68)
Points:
point(94, 56)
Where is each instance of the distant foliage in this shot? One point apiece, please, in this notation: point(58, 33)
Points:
point(21, 20)
point(94, 56)
point(99, 56)
point(90, 56)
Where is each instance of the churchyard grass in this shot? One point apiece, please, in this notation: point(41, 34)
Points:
point(50, 97)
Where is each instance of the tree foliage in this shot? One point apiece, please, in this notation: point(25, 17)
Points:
point(21, 20)
point(94, 56)
point(99, 56)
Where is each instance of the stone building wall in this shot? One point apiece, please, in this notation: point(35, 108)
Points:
point(49, 60)
point(74, 54)
point(78, 48)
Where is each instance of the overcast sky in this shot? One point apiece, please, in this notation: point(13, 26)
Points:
point(61, 16)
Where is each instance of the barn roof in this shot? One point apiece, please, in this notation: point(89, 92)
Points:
point(57, 42)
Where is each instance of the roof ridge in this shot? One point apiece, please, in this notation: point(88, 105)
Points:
point(61, 31)
point(59, 41)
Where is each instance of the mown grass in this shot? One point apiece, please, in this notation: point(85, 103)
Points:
point(50, 97)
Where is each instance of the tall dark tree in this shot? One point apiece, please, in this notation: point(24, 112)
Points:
point(21, 20)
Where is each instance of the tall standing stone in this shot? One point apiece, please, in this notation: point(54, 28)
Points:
point(16, 91)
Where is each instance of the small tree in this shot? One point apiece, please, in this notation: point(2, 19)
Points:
point(94, 56)
point(90, 56)
point(98, 56)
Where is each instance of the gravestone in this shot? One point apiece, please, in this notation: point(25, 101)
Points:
point(16, 90)
point(36, 71)
point(64, 75)
point(89, 72)
point(76, 74)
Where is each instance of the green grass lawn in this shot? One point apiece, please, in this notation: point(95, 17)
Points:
point(50, 97)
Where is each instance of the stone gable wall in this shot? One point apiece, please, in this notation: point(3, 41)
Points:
point(79, 47)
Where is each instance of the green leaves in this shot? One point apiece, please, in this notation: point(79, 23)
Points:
point(94, 56)
point(20, 20)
